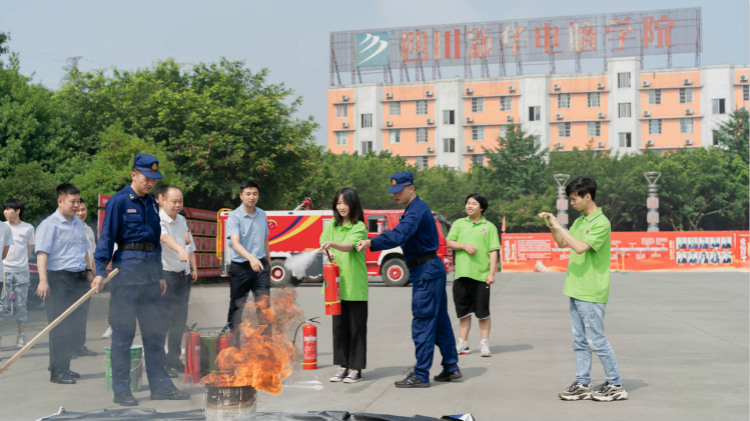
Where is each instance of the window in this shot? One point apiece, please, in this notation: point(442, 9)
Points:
point(341, 110)
point(745, 93)
point(504, 131)
point(477, 105)
point(341, 138)
point(714, 139)
point(623, 80)
point(422, 134)
point(563, 100)
point(654, 126)
point(593, 99)
point(423, 162)
point(394, 108)
point(449, 117)
point(717, 106)
point(449, 145)
point(477, 160)
point(537, 141)
point(477, 133)
point(506, 103)
point(563, 129)
point(686, 125)
point(365, 120)
point(686, 95)
point(366, 146)
point(394, 136)
point(654, 96)
point(625, 140)
point(422, 107)
point(535, 113)
point(623, 109)
point(595, 129)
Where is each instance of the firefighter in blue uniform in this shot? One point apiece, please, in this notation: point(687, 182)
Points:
point(132, 222)
point(431, 325)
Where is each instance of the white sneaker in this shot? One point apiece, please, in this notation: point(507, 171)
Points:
point(462, 347)
point(340, 374)
point(22, 341)
point(107, 333)
point(484, 348)
point(354, 376)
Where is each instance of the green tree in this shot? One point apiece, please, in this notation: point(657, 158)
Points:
point(35, 186)
point(445, 190)
point(733, 134)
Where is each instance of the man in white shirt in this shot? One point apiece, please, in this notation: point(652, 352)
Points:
point(15, 264)
point(175, 260)
point(80, 337)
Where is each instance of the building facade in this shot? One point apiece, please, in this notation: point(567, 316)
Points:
point(452, 122)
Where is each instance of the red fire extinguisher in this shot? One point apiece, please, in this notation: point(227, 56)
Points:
point(222, 343)
point(332, 288)
point(310, 345)
point(192, 356)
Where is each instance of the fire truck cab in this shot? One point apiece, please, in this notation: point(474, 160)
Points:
point(295, 232)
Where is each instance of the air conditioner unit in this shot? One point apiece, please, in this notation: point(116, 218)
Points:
point(387, 150)
point(556, 86)
point(600, 85)
point(687, 81)
point(428, 93)
point(470, 119)
point(646, 83)
point(646, 113)
point(688, 111)
point(512, 88)
point(559, 116)
point(469, 148)
point(469, 91)
point(650, 142)
point(743, 78)
point(430, 121)
point(688, 141)
point(509, 117)
point(389, 95)
point(430, 149)
point(345, 124)
point(345, 97)
point(345, 152)
point(600, 144)
point(602, 114)
point(559, 145)
point(389, 123)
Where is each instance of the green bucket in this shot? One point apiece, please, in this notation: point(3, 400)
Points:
point(136, 367)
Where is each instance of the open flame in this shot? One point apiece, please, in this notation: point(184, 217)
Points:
point(266, 354)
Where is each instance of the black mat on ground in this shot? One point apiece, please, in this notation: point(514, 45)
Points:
point(142, 414)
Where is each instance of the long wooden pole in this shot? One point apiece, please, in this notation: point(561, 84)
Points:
point(55, 322)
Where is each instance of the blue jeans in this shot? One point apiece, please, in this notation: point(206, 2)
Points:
point(588, 336)
point(18, 283)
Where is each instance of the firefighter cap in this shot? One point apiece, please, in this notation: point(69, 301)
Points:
point(148, 165)
point(400, 180)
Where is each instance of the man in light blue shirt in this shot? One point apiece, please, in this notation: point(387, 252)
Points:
point(64, 272)
point(247, 231)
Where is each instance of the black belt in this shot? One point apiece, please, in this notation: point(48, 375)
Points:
point(421, 259)
point(79, 275)
point(137, 246)
point(182, 273)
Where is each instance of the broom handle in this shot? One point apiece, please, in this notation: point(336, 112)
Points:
point(55, 322)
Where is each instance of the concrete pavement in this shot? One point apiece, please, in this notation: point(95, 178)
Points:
point(681, 341)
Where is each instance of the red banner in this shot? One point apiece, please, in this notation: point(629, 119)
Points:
point(636, 251)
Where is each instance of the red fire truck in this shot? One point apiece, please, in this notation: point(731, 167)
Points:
point(294, 232)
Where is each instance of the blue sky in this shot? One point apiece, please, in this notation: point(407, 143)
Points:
point(290, 38)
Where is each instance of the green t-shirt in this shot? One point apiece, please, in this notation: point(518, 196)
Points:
point(352, 268)
point(483, 236)
point(588, 273)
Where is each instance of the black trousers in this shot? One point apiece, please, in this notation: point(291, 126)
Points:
point(65, 288)
point(242, 280)
point(175, 311)
point(350, 335)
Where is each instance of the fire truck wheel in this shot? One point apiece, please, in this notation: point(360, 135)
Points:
point(280, 275)
point(394, 272)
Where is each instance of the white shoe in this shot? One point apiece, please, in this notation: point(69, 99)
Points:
point(484, 348)
point(340, 374)
point(107, 333)
point(462, 347)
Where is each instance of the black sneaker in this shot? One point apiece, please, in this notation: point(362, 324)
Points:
point(125, 399)
point(607, 392)
point(412, 380)
point(446, 376)
point(576, 392)
point(340, 375)
point(173, 372)
point(62, 378)
point(354, 376)
point(85, 352)
point(170, 393)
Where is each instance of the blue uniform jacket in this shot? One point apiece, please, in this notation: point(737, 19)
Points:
point(416, 233)
point(130, 219)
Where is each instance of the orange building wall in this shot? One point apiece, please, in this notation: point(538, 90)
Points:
point(336, 123)
point(739, 102)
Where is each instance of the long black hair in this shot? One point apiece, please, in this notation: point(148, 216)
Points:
point(351, 198)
